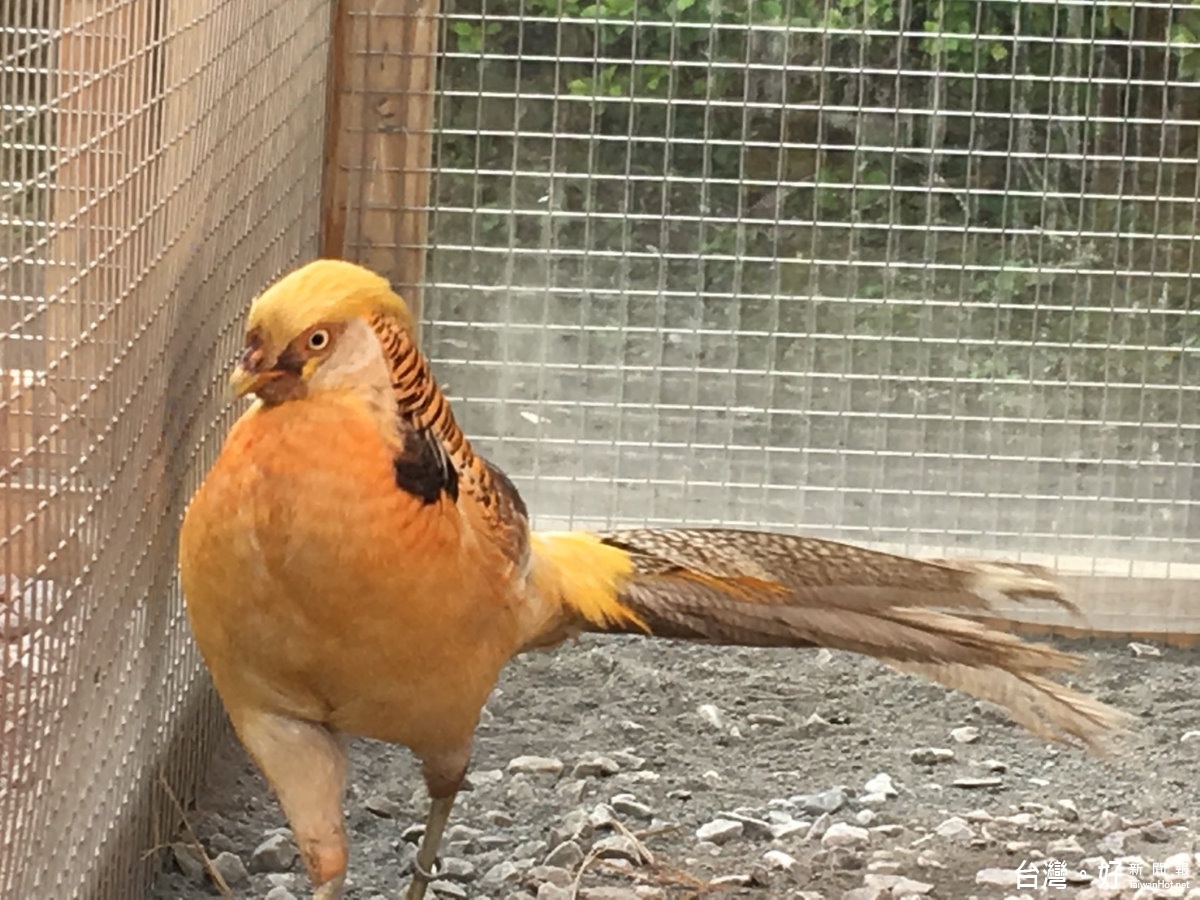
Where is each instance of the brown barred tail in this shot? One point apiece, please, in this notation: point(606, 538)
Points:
point(761, 589)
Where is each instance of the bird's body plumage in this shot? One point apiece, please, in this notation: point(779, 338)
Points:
point(335, 601)
point(352, 567)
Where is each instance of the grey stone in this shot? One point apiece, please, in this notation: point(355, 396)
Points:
point(1001, 878)
point(829, 801)
point(596, 767)
point(189, 861)
point(720, 831)
point(1067, 848)
point(967, 734)
point(736, 880)
point(711, 715)
point(443, 888)
point(621, 846)
point(536, 765)
point(606, 892)
point(818, 828)
point(602, 816)
point(575, 824)
point(566, 854)
point(1068, 810)
point(231, 868)
point(881, 784)
point(629, 805)
point(221, 843)
point(486, 777)
point(280, 893)
point(1156, 833)
point(752, 827)
point(765, 719)
point(549, 874)
point(502, 873)
point(955, 829)
point(839, 834)
point(276, 854)
point(931, 756)
point(873, 892)
point(455, 868)
point(777, 859)
point(384, 807)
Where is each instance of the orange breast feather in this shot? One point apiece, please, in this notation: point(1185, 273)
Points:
point(318, 589)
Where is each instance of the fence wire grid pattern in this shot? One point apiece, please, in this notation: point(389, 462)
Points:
point(920, 276)
point(159, 163)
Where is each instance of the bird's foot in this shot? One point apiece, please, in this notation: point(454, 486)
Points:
point(330, 890)
point(420, 873)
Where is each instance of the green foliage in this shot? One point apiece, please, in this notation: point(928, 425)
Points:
point(611, 63)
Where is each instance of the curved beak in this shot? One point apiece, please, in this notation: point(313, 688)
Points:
point(245, 381)
point(253, 370)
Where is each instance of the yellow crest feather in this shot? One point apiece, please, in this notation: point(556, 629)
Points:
point(321, 291)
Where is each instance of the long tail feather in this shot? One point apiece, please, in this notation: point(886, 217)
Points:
point(763, 589)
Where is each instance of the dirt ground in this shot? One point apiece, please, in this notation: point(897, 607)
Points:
point(649, 708)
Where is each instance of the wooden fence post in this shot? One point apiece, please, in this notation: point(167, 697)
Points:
point(379, 144)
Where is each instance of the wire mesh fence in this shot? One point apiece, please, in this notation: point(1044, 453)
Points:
point(911, 273)
point(917, 274)
point(158, 164)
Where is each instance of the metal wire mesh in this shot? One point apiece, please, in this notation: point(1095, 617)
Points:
point(915, 274)
point(158, 164)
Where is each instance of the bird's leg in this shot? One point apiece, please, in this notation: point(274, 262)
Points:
point(442, 791)
point(305, 764)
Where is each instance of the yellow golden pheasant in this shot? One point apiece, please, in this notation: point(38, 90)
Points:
point(352, 567)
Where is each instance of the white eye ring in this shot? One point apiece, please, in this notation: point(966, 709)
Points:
point(318, 340)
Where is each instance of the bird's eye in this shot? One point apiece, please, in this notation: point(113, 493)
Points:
point(318, 340)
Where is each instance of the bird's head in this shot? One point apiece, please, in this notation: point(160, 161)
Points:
point(309, 331)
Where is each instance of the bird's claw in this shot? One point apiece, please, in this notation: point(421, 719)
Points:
point(420, 873)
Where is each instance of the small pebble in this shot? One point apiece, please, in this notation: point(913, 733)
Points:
point(620, 846)
point(231, 868)
point(955, 829)
point(567, 855)
point(881, 784)
point(629, 805)
point(967, 734)
point(596, 767)
point(384, 807)
point(443, 888)
point(536, 765)
point(711, 715)
point(275, 854)
point(765, 719)
point(931, 756)
point(504, 872)
point(777, 859)
point(1001, 878)
point(1069, 810)
point(189, 861)
point(839, 834)
point(720, 831)
point(822, 802)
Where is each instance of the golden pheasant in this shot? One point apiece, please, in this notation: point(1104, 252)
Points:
point(352, 567)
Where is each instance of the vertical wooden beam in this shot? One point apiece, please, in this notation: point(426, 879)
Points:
point(380, 142)
point(333, 179)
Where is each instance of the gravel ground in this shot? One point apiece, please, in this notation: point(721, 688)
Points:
point(639, 745)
